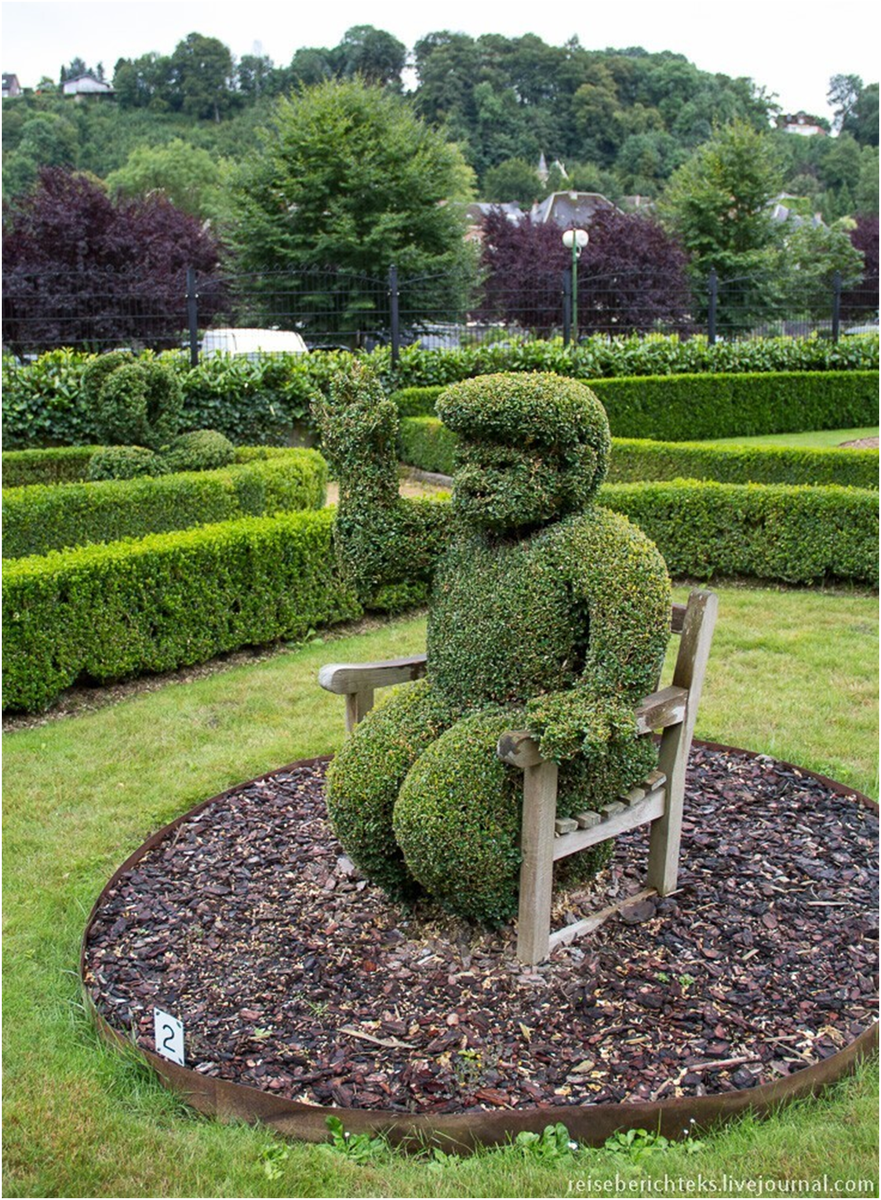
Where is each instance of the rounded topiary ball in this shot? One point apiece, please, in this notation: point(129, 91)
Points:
point(200, 450)
point(123, 462)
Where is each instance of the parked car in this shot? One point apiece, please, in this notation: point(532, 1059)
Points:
point(252, 342)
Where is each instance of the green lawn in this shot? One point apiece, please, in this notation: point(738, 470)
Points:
point(822, 439)
point(792, 673)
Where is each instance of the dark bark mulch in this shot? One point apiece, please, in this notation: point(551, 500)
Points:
point(294, 974)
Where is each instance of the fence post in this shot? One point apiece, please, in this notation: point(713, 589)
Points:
point(193, 316)
point(567, 307)
point(713, 292)
point(395, 315)
point(836, 305)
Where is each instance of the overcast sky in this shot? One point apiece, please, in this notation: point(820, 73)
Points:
point(790, 47)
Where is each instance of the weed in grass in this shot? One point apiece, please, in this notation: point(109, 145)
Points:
point(552, 1147)
point(639, 1145)
point(359, 1147)
point(272, 1156)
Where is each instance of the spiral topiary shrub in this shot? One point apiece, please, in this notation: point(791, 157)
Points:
point(136, 402)
point(547, 612)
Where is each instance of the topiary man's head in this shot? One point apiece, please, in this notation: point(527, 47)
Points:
point(532, 448)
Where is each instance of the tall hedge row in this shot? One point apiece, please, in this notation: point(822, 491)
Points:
point(113, 611)
point(39, 518)
point(258, 401)
point(760, 531)
point(678, 408)
point(426, 443)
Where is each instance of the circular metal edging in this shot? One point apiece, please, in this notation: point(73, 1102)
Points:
point(590, 1125)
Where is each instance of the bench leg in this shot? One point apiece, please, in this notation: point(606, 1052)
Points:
point(537, 868)
point(358, 705)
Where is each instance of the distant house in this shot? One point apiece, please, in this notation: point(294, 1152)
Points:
point(85, 85)
point(476, 212)
point(569, 210)
point(781, 211)
point(11, 86)
point(802, 123)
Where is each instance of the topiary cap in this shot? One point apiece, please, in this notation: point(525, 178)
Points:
point(525, 409)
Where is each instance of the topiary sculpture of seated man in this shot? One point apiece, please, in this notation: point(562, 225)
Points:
point(548, 613)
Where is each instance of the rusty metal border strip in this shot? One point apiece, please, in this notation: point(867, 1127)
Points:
point(588, 1124)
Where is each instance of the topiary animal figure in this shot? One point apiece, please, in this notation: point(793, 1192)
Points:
point(548, 612)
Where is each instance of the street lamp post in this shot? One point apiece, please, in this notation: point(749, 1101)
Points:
point(575, 240)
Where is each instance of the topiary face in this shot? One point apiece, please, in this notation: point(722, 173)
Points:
point(532, 448)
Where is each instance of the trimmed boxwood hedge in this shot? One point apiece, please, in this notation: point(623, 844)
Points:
point(426, 443)
point(114, 611)
point(677, 408)
point(637, 460)
point(55, 464)
point(762, 531)
point(40, 518)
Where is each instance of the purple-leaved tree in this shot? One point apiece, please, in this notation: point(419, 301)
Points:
point(632, 276)
point(82, 270)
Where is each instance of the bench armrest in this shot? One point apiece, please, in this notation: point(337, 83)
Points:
point(346, 678)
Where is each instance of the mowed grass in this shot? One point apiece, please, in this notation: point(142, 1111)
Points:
point(822, 439)
point(792, 673)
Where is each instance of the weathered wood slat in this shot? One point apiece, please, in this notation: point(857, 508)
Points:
point(661, 709)
point(346, 678)
point(578, 928)
point(629, 818)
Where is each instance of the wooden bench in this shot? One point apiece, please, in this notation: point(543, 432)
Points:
point(545, 838)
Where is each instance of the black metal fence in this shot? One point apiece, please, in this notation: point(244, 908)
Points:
point(336, 309)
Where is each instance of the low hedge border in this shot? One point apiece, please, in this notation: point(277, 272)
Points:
point(39, 518)
point(426, 443)
point(55, 464)
point(169, 600)
point(70, 464)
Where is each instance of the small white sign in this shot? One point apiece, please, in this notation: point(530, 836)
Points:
point(168, 1032)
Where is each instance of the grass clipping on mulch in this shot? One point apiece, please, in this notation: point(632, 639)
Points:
point(292, 973)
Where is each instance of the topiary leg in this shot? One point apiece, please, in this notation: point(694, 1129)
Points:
point(457, 819)
point(366, 775)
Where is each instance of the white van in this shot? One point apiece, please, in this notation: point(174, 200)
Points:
point(252, 342)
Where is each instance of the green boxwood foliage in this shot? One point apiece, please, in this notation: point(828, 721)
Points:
point(258, 401)
point(416, 401)
point(426, 443)
point(385, 547)
point(199, 450)
point(168, 600)
point(771, 531)
point(63, 464)
point(38, 518)
point(123, 462)
point(683, 408)
point(135, 403)
point(637, 460)
point(540, 604)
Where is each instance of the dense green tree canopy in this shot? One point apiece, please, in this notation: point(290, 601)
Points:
point(347, 176)
point(187, 176)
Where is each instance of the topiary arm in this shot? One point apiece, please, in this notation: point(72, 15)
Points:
point(621, 599)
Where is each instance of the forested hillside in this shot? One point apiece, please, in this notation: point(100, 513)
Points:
point(615, 121)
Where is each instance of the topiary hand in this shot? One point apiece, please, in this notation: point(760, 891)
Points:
point(579, 722)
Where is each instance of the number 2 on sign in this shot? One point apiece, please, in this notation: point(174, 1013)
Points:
point(168, 1035)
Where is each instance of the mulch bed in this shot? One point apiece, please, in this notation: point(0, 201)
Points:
point(294, 974)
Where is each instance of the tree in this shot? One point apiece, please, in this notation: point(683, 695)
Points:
point(512, 180)
point(718, 205)
point(862, 300)
point(187, 176)
point(631, 277)
point(372, 54)
point(349, 180)
point(81, 270)
point(810, 258)
point(202, 77)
